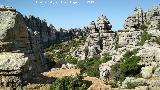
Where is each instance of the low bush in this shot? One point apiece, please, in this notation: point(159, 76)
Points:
point(69, 83)
point(135, 84)
point(113, 84)
point(145, 36)
point(90, 66)
point(128, 66)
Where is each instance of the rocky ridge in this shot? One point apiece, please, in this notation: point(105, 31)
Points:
point(22, 43)
point(102, 39)
point(22, 40)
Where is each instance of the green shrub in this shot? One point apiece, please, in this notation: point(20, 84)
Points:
point(143, 27)
point(113, 84)
point(71, 59)
point(105, 57)
point(128, 66)
point(145, 36)
point(90, 66)
point(69, 83)
point(131, 85)
point(116, 74)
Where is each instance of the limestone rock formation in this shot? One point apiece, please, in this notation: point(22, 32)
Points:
point(128, 39)
point(22, 40)
point(101, 39)
point(105, 70)
point(38, 26)
point(19, 62)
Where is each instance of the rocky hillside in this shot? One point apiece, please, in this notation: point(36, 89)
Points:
point(123, 59)
point(22, 43)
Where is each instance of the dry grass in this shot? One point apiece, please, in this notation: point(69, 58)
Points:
point(97, 84)
point(61, 73)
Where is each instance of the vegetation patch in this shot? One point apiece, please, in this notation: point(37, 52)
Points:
point(145, 36)
point(113, 83)
point(61, 51)
point(90, 66)
point(128, 66)
point(69, 83)
point(132, 85)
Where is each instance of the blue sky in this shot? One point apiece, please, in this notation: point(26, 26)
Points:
point(78, 15)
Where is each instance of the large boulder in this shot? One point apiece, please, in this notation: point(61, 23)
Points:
point(12, 62)
point(147, 71)
point(105, 69)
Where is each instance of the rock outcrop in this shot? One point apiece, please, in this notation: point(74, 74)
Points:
point(149, 54)
point(147, 72)
point(20, 59)
point(39, 27)
point(101, 39)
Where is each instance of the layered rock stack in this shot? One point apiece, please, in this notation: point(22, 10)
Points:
point(130, 36)
point(101, 39)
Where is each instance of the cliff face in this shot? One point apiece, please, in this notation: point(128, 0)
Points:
point(20, 51)
point(46, 34)
point(39, 27)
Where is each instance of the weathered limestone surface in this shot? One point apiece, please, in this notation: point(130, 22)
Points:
point(12, 62)
point(149, 54)
point(128, 39)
